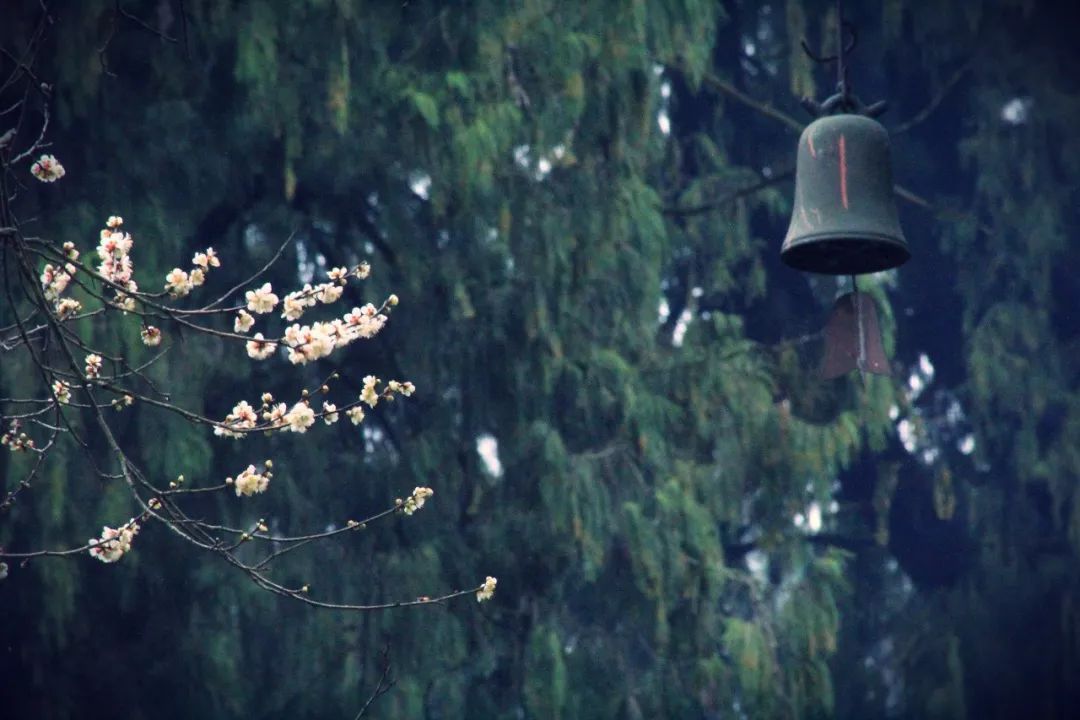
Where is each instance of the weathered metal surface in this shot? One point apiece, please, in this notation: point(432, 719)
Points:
point(844, 219)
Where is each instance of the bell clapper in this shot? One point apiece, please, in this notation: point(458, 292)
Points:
point(853, 337)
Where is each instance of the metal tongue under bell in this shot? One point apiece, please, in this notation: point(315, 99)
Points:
point(853, 338)
point(844, 221)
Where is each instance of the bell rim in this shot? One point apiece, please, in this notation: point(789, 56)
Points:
point(898, 252)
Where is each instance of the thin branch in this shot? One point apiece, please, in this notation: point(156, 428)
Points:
point(935, 101)
point(256, 275)
point(141, 23)
point(762, 107)
point(383, 686)
point(939, 212)
point(691, 210)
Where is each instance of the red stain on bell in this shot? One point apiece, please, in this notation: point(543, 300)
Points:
point(843, 172)
point(810, 143)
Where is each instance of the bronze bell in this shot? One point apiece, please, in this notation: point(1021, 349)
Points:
point(844, 221)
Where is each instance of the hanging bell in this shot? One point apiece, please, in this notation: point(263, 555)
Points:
point(844, 220)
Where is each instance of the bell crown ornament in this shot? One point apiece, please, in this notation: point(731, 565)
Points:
point(843, 219)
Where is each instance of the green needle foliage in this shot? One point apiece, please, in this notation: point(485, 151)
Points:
point(582, 219)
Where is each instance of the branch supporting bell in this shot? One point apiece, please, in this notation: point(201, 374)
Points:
point(844, 219)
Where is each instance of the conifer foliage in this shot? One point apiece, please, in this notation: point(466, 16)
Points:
point(579, 206)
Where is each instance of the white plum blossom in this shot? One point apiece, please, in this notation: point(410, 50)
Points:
point(300, 418)
point(416, 501)
point(114, 542)
point(261, 301)
point(54, 280)
point(242, 417)
point(114, 222)
point(113, 250)
point(330, 414)
point(151, 336)
point(243, 322)
point(276, 415)
point(206, 259)
point(93, 365)
point(249, 482)
point(404, 388)
point(487, 590)
point(328, 293)
point(292, 307)
point(369, 394)
point(177, 283)
point(338, 275)
point(364, 322)
point(310, 342)
point(259, 348)
point(114, 243)
point(67, 307)
point(62, 391)
point(198, 277)
point(124, 301)
point(47, 169)
point(356, 414)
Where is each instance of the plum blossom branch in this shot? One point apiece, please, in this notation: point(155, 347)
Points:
point(75, 375)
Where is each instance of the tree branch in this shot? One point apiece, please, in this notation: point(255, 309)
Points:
point(762, 107)
point(938, 98)
point(383, 686)
point(691, 210)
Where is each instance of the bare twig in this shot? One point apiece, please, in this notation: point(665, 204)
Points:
point(762, 107)
point(383, 686)
point(935, 101)
point(690, 210)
